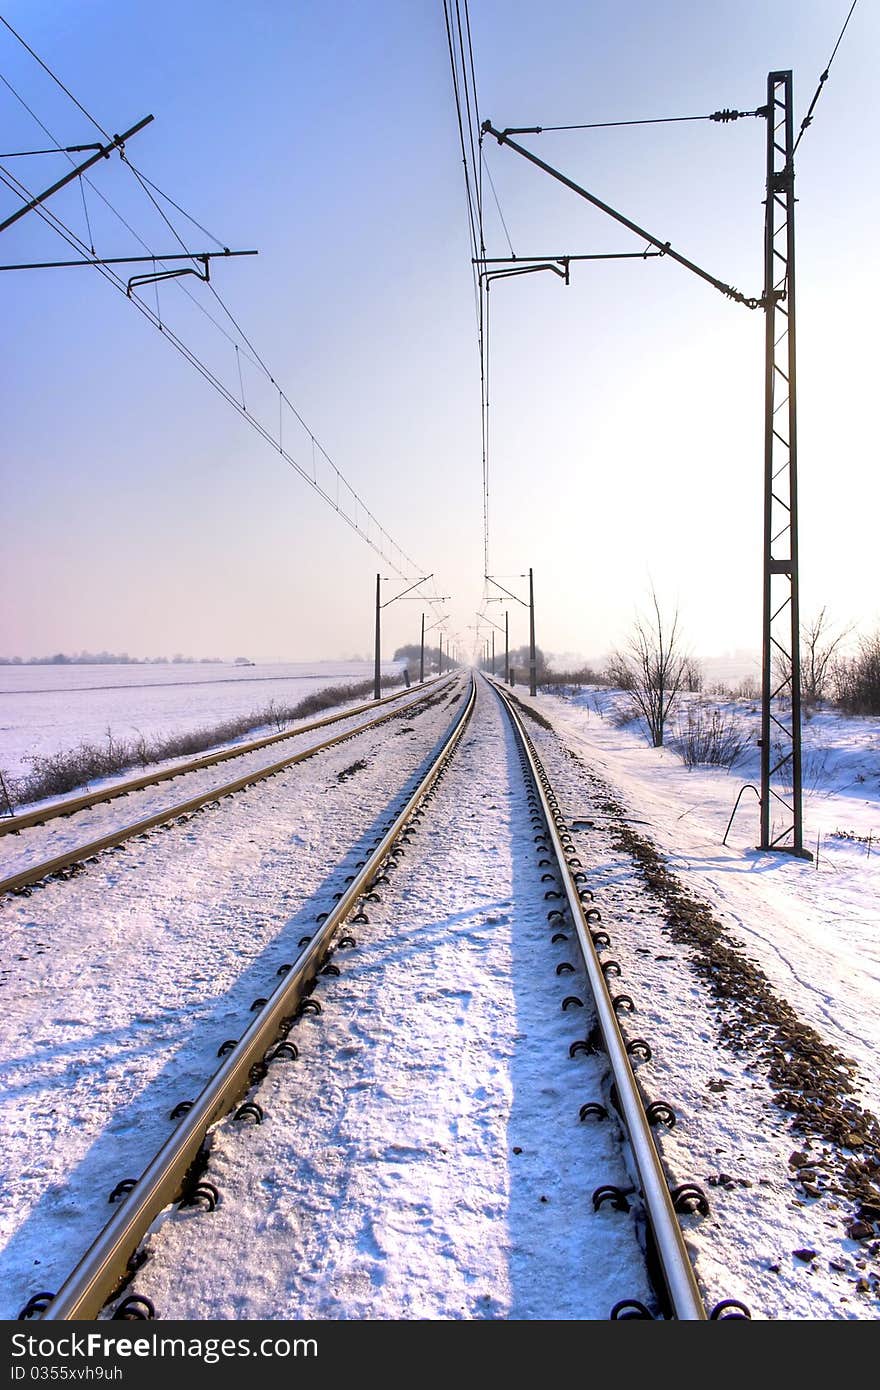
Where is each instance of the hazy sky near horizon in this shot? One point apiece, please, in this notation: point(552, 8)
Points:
point(140, 512)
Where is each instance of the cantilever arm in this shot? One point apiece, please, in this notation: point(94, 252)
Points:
point(515, 597)
point(104, 152)
point(664, 247)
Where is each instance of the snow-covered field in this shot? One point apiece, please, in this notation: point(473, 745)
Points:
point(44, 709)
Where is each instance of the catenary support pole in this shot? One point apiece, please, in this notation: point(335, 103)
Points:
point(781, 789)
point(376, 673)
point(533, 669)
point(422, 652)
point(506, 647)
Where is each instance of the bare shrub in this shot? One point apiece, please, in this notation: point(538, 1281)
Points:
point(617, 673)
point(72, 769)
point(653, 665)
point(857, 681)
point(568, 684)
point(819, 645)
point(275, 716)
point(707, 737)
point(585, 675)
point(818, 650)
point(692, 676)
point(620, 716)
point(746, 689)
point(814, 769)
point(140, 750)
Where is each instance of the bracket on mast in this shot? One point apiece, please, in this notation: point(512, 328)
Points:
point(151, 277)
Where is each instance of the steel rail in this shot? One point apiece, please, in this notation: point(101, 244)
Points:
point(10, 825)
point(105, 1265)
point(27, 877)
point(681, 1284)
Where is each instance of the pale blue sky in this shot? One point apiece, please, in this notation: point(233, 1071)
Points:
point(140, 512)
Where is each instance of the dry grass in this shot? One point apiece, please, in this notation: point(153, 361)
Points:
point(74, 769)
point(708, 738)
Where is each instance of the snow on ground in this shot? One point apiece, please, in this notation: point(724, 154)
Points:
point(36, 844)
point(44, 709)
point(815, 926)
point(403, 1160)
point(117, 986)
point(766, 1241)
point(424, 1157)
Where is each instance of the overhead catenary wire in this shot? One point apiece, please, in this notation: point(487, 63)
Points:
point(723, 116)
point(383, 544)
point(808, 119)
point(473, 118)
point(463, 71)
point(497, 202)
point(55, 78)
point(401, 564)
point(461, 62)
point(86, 213)
point(188, 215)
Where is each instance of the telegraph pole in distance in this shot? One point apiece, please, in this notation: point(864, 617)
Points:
point(506, 647)
point(442, 619)
point(533, 669)
point(377, 681)
point(533, 665)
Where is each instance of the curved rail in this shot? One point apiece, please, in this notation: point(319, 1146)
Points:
point(10, 825)
point(27, 877)
point(104, 1267)
point(680, 1281)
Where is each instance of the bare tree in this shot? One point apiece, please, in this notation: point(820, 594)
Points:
point(653, 667)
point(692, 675)
point(818, 648)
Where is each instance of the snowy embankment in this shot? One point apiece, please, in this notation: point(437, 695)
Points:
point(815, 925)
point(742, 992)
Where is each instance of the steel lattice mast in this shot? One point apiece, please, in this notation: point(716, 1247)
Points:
point(781, 788)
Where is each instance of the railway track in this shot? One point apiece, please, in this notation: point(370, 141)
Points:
point(12, 825)
point(180, 1173)
point(87, 849)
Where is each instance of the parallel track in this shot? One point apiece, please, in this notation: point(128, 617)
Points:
point(28, 877)
point(11, 825)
